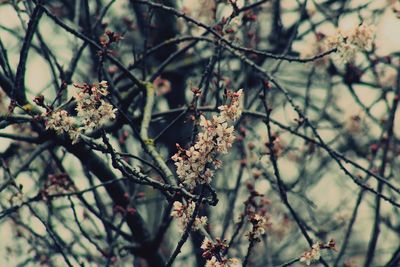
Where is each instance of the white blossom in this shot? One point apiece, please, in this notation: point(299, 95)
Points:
point(348, 44)
point(206, 244)
point(312, 255)
point(232, 262)
point(213, 262)
point(232, 111)
point(195, 165)
point(260, 225)
point(103, 84)
point(184, 214)
point(93, 111)
point(362, 36)
point(61, 122)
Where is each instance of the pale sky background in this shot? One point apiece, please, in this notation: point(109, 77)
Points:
point(387, 40)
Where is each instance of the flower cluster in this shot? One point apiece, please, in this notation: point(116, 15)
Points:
point(260, 225)
point(185, 212)
point(311, 255)
point(91, 108)
point(196, 164)
point(214, 262)
point(110, 37)
point(256, 212)
point(92, 111)
point(61, 122)
point(210, 249)
point(212, 254)
point(314, 253)
point(232, 111)
point(348, 44)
